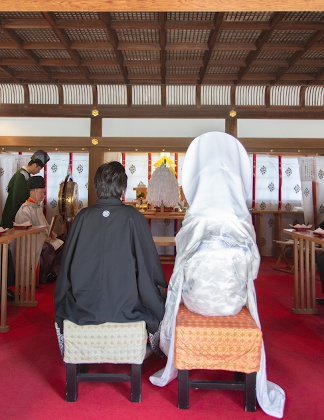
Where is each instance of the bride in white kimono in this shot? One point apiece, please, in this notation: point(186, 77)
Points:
point(217, 236)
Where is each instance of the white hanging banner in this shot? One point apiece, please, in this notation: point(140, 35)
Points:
point(307, 176)
point(319, 168)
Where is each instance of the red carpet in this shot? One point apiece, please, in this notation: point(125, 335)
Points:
point(32, 378)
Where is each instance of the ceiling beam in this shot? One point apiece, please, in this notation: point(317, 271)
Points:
point(155, 111)
point(271, 146)
point(163, 42)
point(249, 25)
point(211, 45)
point(16, 40)
point(113, 38)
point(163, 5)
point(61, 35)
point(261, 41)
point(318, 35)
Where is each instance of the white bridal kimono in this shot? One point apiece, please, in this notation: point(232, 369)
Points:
point(217, 257)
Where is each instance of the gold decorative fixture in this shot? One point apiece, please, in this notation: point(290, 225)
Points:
point(232, 113)
point(95, 142)
point(164, 160)
point(95, 112)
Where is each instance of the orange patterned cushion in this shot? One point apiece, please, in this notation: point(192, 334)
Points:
point(219, 343)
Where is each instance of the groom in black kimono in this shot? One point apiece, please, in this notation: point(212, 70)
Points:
point(110, 270)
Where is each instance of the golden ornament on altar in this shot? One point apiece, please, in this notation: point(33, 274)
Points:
point(164, 159)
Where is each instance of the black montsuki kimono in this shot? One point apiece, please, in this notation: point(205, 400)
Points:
point(110, 269)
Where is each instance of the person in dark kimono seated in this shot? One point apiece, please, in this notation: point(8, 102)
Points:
point(48, 246)
point(319, 259)
point(110, 270)
point(320, 267)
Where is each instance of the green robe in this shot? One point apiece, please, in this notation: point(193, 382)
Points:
point(17, 195)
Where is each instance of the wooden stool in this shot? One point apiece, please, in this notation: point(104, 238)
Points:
point(110, 342)
point(284, 247)
point(230, 343)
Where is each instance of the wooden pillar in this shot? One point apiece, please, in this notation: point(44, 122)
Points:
point(231, 126)
point(231, 119)
point(96, 156)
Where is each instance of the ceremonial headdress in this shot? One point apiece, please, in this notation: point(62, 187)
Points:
point(40, 158)
point(35, 182)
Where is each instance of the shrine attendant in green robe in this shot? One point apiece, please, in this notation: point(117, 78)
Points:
point(17, 187)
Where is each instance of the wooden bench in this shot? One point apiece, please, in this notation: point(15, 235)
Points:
point(230, 343)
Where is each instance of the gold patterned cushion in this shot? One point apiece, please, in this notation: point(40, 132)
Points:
point(221, 342)
point(105, 343)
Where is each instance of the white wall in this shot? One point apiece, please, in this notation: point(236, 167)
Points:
point(156, 127)
point(58, 127)
point(280, 128)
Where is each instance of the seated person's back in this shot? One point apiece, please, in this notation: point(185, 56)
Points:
point(110, 270)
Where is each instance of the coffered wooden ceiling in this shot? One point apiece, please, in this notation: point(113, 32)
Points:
point(220, 46)
point(162, 48)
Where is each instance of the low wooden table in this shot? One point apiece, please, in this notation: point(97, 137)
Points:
point(277, 228)
point(177, 215)
point(304, 270)
point(289, 267)
point(164, 240)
